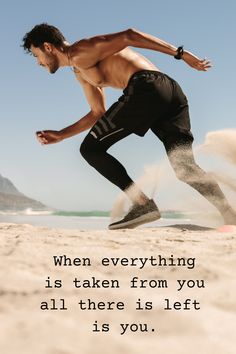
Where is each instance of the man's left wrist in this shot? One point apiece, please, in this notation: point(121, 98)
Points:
point(179, 52)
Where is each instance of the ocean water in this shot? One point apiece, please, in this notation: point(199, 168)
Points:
point(60, 222)
point(96, 220)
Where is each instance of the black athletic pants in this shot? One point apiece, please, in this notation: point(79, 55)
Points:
point(152, 100)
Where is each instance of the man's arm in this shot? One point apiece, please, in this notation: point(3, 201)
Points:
point(91, 51)
point(96, 99)
point(143, 40)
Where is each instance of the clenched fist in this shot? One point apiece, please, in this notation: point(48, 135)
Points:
point(46, 137)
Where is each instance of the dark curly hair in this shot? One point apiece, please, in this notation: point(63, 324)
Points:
point(40, 34)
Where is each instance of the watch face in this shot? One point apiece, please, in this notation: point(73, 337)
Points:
point(180, 52)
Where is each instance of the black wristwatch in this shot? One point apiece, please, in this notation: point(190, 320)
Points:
point(180, 52)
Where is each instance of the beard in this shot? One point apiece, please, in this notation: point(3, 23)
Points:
point(52, 63)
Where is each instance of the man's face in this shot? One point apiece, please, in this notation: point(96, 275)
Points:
point(46, 57)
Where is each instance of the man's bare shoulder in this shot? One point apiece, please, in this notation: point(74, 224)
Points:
point(84, 43)
point(80, 46)
point(87, 52)
point(78, 52)
point(77, 47)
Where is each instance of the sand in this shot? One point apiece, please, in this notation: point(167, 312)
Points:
point(26, 256)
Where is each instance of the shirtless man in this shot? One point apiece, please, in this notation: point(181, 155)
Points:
point(150, 100)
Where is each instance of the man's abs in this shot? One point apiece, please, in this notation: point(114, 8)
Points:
point(116, 70)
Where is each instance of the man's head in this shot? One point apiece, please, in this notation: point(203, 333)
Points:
point(45, 42)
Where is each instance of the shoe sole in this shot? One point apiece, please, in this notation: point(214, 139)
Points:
point(143, 219)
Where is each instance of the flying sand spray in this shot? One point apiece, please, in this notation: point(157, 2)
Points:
point(221, 143)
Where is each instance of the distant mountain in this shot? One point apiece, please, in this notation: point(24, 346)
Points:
point(12, 199)
point(6, 186)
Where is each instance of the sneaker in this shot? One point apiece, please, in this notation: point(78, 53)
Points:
point(138, 215)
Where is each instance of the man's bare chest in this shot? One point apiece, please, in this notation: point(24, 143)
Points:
point(94, 75)
point(108, 72)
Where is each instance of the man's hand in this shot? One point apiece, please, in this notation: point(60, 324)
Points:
point(195, 62)
point(46, 137)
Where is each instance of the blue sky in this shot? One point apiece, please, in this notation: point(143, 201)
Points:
point(32, 99)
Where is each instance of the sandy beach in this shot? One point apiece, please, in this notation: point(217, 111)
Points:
point(176, 307)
